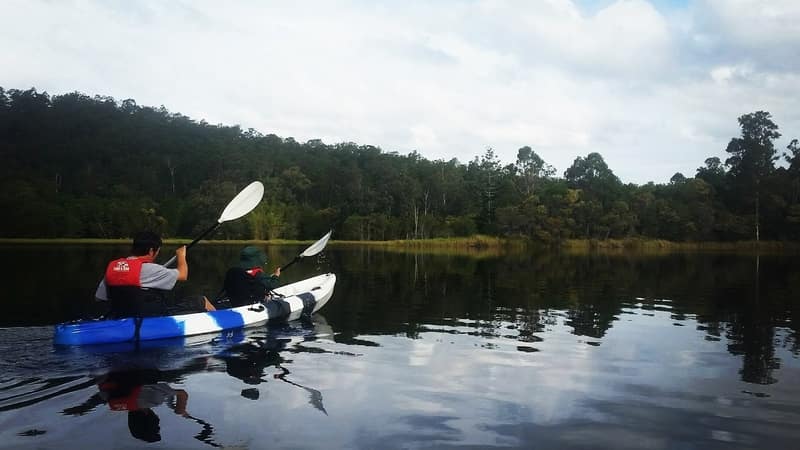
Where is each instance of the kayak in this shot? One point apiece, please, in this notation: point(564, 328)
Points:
point(292, 301)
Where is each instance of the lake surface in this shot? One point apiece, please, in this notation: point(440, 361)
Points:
point(419, 351)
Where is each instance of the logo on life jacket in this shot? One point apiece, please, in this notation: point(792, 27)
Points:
point(121, 266)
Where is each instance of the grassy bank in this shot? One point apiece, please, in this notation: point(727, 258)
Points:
point(472, 242)
point(659, 245)
point(479, 246)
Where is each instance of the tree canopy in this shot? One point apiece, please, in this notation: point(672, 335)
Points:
point(82, 166)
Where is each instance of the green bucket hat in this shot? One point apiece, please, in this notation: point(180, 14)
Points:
point(251, 256)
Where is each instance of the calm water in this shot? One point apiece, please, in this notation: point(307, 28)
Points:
point(420, 351)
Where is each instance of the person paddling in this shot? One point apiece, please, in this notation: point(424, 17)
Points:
point(247, 283)
point(136, 285)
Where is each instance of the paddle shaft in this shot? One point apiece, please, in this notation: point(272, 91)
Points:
point(296, 258)
point(204, 234)
point(208, 431)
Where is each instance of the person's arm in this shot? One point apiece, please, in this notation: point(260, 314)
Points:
point(181, 399)
point(156, 276)
point(269, 282)
point(183, 267)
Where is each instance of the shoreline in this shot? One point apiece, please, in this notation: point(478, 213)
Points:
point(472, 243)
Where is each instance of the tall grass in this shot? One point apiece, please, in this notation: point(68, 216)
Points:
point(660, 245)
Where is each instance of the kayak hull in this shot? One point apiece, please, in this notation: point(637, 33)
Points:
point(296, 299)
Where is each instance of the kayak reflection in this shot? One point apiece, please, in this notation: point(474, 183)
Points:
point(249, 361)
point(137, 392)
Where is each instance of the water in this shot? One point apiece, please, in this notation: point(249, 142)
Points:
point(690, 351)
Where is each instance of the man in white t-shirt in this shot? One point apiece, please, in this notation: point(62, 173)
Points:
point(135, 285)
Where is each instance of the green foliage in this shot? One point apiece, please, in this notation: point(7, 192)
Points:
point(92, 167)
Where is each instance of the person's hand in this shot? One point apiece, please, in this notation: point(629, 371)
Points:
point(277, 272)
point(180, 252)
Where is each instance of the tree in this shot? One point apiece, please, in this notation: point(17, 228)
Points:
point(532, 168)
point(713, 173)
point(485, 174)
point(752, 157)
point(585, 172)
point(678, 178)
point(600, 188)
point(794, 157)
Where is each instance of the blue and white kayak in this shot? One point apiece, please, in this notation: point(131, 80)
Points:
point(292, 301)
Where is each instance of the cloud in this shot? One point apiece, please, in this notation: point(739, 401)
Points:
point(654, 88)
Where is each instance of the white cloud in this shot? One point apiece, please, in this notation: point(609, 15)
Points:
point(653, 90)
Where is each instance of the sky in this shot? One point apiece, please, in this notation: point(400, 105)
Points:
point(655, 86)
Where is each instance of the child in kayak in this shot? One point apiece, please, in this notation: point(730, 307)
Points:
point(247, 283)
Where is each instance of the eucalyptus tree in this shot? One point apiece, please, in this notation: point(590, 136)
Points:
point(712, 173)
point(599, 188)
point(793, 171)
point(752, 159)
point(678, 178)
point(532, 169)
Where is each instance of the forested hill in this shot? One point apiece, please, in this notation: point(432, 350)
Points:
point(81, 166)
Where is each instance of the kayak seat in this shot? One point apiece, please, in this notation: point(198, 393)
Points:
point(133, 301)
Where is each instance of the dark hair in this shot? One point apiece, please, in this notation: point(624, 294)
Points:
point(143, 424)
point(144, 241)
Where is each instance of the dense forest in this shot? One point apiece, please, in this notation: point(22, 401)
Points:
point(80, 166)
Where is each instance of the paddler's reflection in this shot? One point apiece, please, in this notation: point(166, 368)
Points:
point(248, 361)
point(137, 392)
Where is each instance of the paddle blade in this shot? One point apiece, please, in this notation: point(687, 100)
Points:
point(244, 202)
point(316, 247)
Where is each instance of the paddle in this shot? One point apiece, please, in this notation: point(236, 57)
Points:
point(244, 202)
point(315, 248)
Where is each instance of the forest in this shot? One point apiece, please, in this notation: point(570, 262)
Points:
point(81, 166)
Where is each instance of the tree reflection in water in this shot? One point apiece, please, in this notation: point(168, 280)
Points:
point(738, 296)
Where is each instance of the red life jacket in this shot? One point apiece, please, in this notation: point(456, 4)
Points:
point(252, 272)
point(117, 402)
point(126, 271)
point(128, 297)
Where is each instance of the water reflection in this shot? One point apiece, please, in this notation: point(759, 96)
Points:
point(137, 392)
point(734, 296)
point(142, 383)
point(523, 351)
point(247, 361)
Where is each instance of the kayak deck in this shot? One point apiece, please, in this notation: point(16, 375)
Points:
point(295, 299)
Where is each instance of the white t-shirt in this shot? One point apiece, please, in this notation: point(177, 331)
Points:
point(153, 395)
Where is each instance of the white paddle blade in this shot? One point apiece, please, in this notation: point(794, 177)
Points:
point(317, 247)
point(244, 202)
